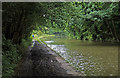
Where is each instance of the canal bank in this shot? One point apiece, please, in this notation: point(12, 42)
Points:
point(40, 60)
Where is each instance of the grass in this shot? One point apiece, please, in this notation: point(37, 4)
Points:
point(40, 38)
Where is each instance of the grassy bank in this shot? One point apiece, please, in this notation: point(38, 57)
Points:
point(40, 38)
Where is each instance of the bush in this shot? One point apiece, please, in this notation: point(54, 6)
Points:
point(10, 58)
point(11, 55)
point(26, 43)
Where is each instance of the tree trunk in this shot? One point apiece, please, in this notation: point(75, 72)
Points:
point(115, 31)
point(16, 35)
point(110, 29)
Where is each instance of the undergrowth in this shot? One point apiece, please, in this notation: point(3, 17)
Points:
point(11, 55)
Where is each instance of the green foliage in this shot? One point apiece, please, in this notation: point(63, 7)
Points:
point(25, 43)
point(19, 19)
point(87, 21)
point(37, 32)
point(31, 37)
point(10, 58)
point(78, 20)
point(42, 41)
point(11, 55)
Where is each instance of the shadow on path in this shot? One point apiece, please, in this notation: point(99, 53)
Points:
point(38, 61)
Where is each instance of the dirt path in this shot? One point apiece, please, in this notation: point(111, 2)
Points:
point(42, 61)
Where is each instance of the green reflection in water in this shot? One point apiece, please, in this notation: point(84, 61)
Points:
point(91, 58)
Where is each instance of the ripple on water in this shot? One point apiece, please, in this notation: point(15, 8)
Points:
point(48, 42)
point(87, 65)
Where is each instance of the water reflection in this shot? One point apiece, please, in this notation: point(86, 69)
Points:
point(92, 59)
point(49, 42)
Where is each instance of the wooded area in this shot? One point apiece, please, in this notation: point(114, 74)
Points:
point(80, 20)
point(98, 21)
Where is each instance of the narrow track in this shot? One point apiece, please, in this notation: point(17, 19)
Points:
point(40, 60)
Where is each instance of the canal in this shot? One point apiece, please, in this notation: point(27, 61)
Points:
point(89, 57)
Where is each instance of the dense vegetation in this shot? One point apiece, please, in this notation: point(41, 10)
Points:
point(88, 21)
point(79, 20)
point(19, 19)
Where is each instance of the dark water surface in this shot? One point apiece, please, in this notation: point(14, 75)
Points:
point(91, 58)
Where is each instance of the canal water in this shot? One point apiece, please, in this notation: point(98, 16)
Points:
point(90, 58)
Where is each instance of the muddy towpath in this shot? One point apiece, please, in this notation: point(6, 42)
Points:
point(40, 60)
